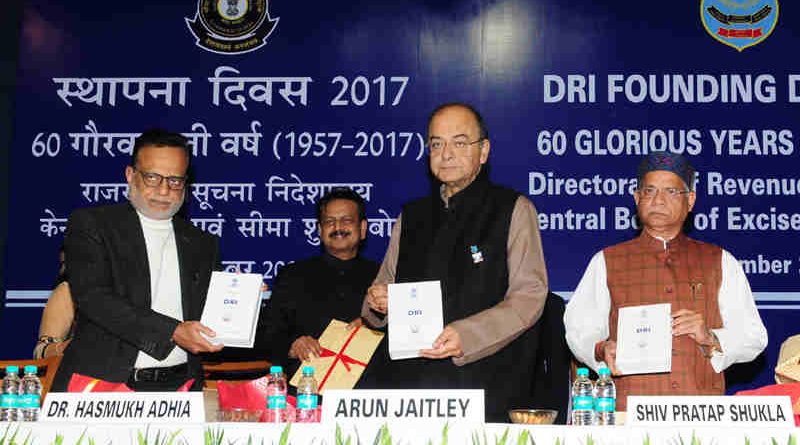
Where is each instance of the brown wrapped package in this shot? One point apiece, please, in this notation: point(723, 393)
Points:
point(788, 369)
point(345, 354)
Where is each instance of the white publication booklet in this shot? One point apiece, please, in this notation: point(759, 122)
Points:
point(415, 317)
point(644, 339)
point(233, 303)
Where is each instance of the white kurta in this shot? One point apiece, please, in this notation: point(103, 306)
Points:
point(742, 336)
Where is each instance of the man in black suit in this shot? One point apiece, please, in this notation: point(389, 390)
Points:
point(307, 294)
point(139, 277)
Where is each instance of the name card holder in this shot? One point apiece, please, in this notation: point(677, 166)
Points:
point(383, 405)
point(716, 411)
point(124, 407)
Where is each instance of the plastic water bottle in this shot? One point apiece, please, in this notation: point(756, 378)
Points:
point(605, 396)
point(307, 398)
point(30, 395)
point(582, 399)
point(276, 395)
point(9, 399)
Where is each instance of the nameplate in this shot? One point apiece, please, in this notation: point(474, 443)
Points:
point(122, 407)
point(362, 404)
point(719, 411)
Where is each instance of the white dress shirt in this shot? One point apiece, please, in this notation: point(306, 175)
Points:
point(742, 335)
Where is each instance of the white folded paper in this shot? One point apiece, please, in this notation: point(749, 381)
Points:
point(415, 317)
point(644, 339)
point(233, 303)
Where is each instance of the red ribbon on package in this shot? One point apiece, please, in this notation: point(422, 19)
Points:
point(340, 355)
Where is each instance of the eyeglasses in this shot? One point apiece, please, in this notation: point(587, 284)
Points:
point(331, 222)
point(154, 180)
point(437, 144)
point(671, 192)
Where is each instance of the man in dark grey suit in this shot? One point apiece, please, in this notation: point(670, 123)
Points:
point(139, 278)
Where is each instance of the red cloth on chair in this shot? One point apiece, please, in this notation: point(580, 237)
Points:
point(252, 395)
point(784, 389)
point(85, 383)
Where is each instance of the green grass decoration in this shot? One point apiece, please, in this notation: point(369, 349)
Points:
point(791, 440)
point(695, 440)
point(167, 439)
point(383, 437)
point(27, 440)
point(5, 440)
point(250, 440)
point(444, 435)
point(339, 440)
point(523, 438)
point(284, 440)
point(80, 438)
point(216, 436)
point(213, 437)
point(503, 439)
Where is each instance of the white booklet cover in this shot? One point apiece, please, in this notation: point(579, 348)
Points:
point(644, 339)
point(233, 303)
point(415, 317)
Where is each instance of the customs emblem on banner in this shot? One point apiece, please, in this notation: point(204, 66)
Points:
point(231, 26)
point(739, 23)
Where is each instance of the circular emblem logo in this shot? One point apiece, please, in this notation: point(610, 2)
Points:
point(232, 9)
point(232, 18)
point(231, 26)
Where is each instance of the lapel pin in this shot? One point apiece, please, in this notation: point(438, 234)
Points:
point(477, 256)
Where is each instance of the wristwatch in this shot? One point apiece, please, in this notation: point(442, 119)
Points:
point(715, 347)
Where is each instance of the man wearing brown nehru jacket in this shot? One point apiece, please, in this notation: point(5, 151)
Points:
point(714, 318)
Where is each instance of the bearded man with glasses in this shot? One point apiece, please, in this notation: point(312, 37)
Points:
point(139, 277)
point(714, 318)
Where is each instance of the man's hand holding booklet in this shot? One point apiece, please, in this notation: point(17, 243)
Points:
point(232, 306)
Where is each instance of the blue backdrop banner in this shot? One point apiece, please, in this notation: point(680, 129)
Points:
point(284, 100)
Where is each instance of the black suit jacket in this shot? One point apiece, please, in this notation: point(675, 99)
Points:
point(307, 294)
point(109, 277)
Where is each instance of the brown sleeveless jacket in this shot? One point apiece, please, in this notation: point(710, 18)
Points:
point(688, 274)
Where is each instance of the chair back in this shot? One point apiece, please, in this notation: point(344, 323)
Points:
point(47, 368)
point(553, 357)
point(234, 371)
